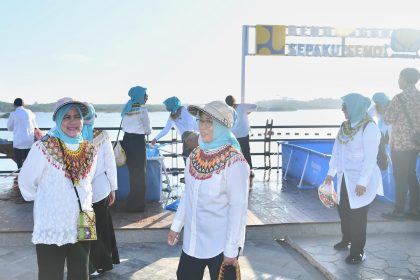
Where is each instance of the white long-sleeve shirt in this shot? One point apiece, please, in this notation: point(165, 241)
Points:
point(213, 209)
point(241, 127)
point(56, 210)
point(105, 178)
point(356, 162)
point(185, 122)
point(137, 121)
point(22, 123)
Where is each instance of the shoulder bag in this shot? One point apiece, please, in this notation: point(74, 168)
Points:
point(119, 153)
point(87, 220)
point(382, 157)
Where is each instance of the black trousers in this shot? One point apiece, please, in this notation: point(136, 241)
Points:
point(353, 222)
point(51, 261)
point(20, 156)
point(404, 168)
point(246, 150)
point(185, 150)
point(135, 148)
point(103, 252)
point(190, 268)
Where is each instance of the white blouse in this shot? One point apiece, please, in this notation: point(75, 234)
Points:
point(137, 121)
point(356, 162)
point(241, 127)
point(105, 178)
point(213, 210)
point(56, 209)
point(186, 122)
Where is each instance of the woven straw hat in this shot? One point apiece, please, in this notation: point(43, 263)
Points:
point(68, 100)
point(218, 110)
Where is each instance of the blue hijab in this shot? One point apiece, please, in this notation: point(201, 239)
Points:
point(88, 124)
point(137, 96)
point(58, 133)
point(380, 98)
point(356, 106)
point(172, 104)
point(221, 136)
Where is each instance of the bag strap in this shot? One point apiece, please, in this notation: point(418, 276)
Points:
point(118, 135)
point(71, 177)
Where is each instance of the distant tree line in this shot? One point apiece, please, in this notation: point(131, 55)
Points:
point(284, 104)
point(287, 104)
point(6, 108)
point(49, 107)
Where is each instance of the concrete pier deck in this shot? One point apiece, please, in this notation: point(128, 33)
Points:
point(289, 236)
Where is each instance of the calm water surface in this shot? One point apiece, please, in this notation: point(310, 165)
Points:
point(158, 119)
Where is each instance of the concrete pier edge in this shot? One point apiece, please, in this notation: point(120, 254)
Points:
point(311, 260)
point(254, 232)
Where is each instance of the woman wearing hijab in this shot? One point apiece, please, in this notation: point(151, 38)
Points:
point(213, 208)
point(46, 177)
point(179, 118)
point(377, 111)
point(381, 102)
point(358, 176)
point(136, 125)
point(103, 252)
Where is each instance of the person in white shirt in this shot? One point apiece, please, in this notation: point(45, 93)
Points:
point(359, 180)
point(213, 208)
point(179, 118)
point(103, 252)
point(47, 177)
point(241, 128)
point(22, 123)
point(136, 125)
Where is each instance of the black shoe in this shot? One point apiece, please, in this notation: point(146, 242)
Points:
point(356, 259)
point(342, 245)
point(398, 216)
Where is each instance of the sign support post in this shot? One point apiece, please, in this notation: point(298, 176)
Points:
point(244, 54)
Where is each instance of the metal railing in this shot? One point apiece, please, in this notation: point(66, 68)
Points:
point(257, 140)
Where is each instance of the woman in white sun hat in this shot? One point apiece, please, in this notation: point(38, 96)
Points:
point(47, 176)
point(213, 208)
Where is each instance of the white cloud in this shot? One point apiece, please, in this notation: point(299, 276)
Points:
point(73, 58)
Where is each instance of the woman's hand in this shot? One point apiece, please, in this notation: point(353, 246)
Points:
point(360, 190)
point(173, 237)
point(111, 198)
point(328, 180)
point(153, 142)
point(38, 134)
point(230, 261)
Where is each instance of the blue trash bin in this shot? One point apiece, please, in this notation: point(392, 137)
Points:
point(153, 180)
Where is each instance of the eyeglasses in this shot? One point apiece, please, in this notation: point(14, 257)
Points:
point(205, 122)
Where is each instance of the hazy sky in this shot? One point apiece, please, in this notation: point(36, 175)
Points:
point(95, 50)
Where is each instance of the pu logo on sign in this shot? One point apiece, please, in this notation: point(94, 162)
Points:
point(270, 39)
point(405, 40)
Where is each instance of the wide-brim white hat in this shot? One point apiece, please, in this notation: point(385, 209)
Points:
point(218, 110)
point(68, 100)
